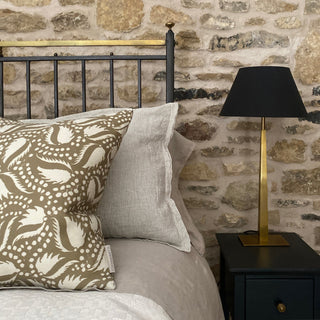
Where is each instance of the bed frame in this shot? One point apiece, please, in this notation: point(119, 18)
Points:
point(168, 57)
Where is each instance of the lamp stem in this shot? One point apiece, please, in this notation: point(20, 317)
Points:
point(263, 187)
point(263, 238)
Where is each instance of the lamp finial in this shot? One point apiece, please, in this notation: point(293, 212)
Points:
point(170, 25)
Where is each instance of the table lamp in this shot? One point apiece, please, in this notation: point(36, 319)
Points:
point(263, 92)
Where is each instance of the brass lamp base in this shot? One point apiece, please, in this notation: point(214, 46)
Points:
point(273, 240)
point(263, 238)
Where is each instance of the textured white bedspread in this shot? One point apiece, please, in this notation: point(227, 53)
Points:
point(43, 305)
point(154, 282)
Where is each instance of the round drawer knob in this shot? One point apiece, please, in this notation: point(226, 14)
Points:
point(281, 307)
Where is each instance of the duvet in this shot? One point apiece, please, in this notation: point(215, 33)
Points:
point(154, 282)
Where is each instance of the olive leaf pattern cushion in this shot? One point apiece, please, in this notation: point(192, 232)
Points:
point(51, 180)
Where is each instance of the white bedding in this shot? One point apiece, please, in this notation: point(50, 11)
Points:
point(158, 282)
point(41, 305)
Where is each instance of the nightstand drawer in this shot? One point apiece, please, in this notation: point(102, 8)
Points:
point(279, 298)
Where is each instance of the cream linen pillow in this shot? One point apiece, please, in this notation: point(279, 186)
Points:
point(52, 177)
point(137, 199)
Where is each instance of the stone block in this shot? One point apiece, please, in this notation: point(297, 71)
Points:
point(160, 15)
point(301, 181)
point(288, 23)
point(234, 6)
point(186, 61)
point(276, 6)
point(195, 203)
point(288, 151)
point(213, 110)
point(76, 76)
point(74, 2)
point(30, 3)
point(313, 116)
point(199, 93)
point(307, 57)
point(297, 129)
point(17, 98)
point(67, 92)
point(217, 22)
point(70, 21)
point(315, 149)
point(312, 103)
point(241, 168)
point(296, 225)
point(312, 7)
point(290, 203)
point(196, 4)
point(316, 91)
point(216, 151)
point(243, 139)
point(196, 130)
point(215, 76)
point(41, 77)
point(274, 59)
point(187, 39)
point(257, 21)
point(252, 39)
point(98, 93)
point(230, 220)
point(9, 73)
point(130, 93)
point(203, 190)
point(247, 125)
point(310, 217)
point(120, 15)
point(14, 22)
point(198, 171)
point(178, 76)
point(242, 195)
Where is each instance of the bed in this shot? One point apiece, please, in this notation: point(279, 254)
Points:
point(143, 257)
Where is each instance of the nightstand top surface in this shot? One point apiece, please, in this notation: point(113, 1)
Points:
point(297, 258)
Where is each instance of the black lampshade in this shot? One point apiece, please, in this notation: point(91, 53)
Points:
point(264, 92)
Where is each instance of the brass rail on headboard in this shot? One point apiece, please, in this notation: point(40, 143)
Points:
point(82, 43)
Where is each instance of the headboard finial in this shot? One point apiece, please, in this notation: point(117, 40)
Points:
point(170, 25)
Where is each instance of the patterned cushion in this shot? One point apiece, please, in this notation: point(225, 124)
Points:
point(51, 180)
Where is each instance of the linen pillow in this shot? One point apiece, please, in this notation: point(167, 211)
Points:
point(180, 149)
point(137, 200)
point(51, 180)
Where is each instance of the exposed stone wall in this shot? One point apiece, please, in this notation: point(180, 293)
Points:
point(214, 38)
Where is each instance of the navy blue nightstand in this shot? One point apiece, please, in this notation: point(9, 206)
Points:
point(269, 283)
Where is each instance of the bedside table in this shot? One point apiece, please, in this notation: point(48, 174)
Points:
point(269, 283)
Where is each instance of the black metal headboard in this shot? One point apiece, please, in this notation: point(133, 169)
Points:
point(168, 57)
